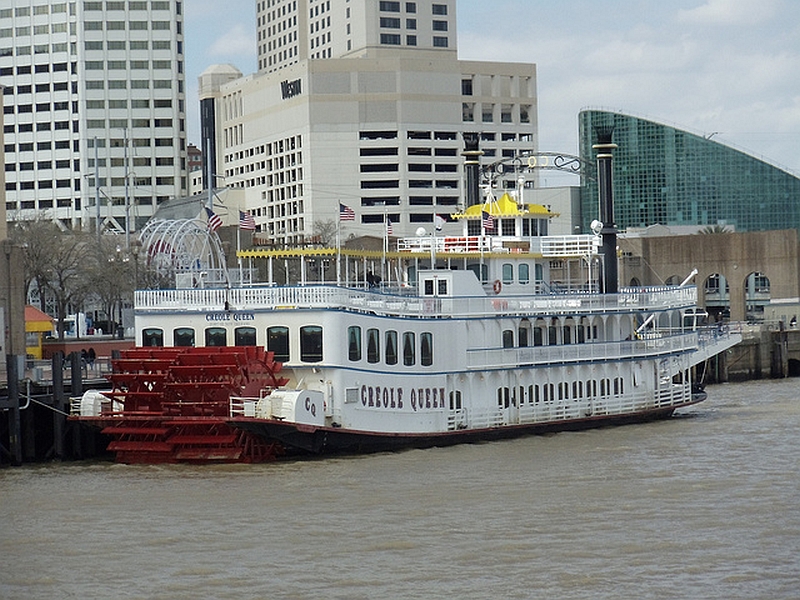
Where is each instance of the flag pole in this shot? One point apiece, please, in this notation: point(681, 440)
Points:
point(339, 244)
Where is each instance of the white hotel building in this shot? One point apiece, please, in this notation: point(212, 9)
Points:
point(362, 102)
point(94, 94)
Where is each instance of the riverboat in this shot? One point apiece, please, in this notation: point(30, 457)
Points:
point(431, 340)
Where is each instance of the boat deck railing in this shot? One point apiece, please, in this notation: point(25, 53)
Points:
point(562, 246)
point(377, 302)
point(672, 395)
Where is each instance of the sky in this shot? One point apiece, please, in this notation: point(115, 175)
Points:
point(727, 68)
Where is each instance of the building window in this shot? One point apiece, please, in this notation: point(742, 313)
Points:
point(391, 39)
point(439, 9)
point(390, 22)
point(389, 6)
point(439, 42)
point(440, 25)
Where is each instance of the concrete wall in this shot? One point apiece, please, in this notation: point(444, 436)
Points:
point(653, 260)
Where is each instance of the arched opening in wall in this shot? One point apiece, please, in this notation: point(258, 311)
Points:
point(756, 296)
point(673, 280)
point(718, 297)
point(794, 367)
point(635, 282)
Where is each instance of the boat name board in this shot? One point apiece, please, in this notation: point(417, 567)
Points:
point(397, 397)
point(216, 317)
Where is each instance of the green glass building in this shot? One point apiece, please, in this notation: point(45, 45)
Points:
point(672, 177)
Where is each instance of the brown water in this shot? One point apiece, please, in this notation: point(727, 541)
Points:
point(705, 505)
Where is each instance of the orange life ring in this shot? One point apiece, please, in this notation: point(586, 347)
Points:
point(497, 286)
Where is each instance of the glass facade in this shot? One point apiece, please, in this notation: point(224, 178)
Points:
point(663, 175)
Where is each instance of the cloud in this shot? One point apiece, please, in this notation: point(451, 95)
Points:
point(238, 40)
point(729, 12)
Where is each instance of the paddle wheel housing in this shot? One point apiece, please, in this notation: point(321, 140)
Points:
point(170, 405)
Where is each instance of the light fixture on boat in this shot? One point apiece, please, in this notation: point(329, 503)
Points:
point(597, 227)
point(421, 231)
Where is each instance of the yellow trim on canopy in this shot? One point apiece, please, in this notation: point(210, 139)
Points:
point(505, 206)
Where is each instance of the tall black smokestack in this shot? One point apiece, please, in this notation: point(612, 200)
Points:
point(605, 147)
point(472, 167)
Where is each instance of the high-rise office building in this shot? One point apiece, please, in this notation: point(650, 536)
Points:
point(94, 109)
point(360, 103)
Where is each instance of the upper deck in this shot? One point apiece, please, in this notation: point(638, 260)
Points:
point(400, 303)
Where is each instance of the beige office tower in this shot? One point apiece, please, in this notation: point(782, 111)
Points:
point(361, 104)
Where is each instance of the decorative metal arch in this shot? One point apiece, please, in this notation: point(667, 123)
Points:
point(529, 160)
point(184, 249)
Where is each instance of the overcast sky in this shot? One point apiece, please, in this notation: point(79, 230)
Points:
point(725, 67)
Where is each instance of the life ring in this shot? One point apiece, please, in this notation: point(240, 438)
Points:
point(497, 286)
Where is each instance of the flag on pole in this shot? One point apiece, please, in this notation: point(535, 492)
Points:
point(346, 213)
point(487, 220)
point(439, 222)
point(214, 220)
point(246, 221)
point(388, 227)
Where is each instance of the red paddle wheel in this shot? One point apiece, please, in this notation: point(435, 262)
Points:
point(170, 405)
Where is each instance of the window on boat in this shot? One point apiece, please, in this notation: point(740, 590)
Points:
point(442, 285)
point(455, 400)
point(354, 342)
point(373, 346)
point(618, 386)
point(474, 227)
point(524, 273)
point(507, 226)
point(426, 349)
point(152, 337)
point(409, 350)
point(183, 336)
point(311, 343)
point(216, 336)
point(591, 388)
point(508, 273)
point(522, 336)
point(278, 342)
point(391, 347)
point(508, 338)
point(605, 387)
point(577, 389)
point(427, 287)
point(538, 339)
point(552, 335)
point(503, 397)
point(538, 272)
point(533, 394)
point(563, 391)
point(244, 336)
point(566, 334)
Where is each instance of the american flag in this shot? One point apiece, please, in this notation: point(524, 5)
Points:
point(388, 227)
point(246, 221)
point(487, 220)
point(346, 213)
point(214, 220)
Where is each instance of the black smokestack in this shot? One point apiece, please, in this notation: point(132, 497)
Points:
point(605, 147)
point(472, 167)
